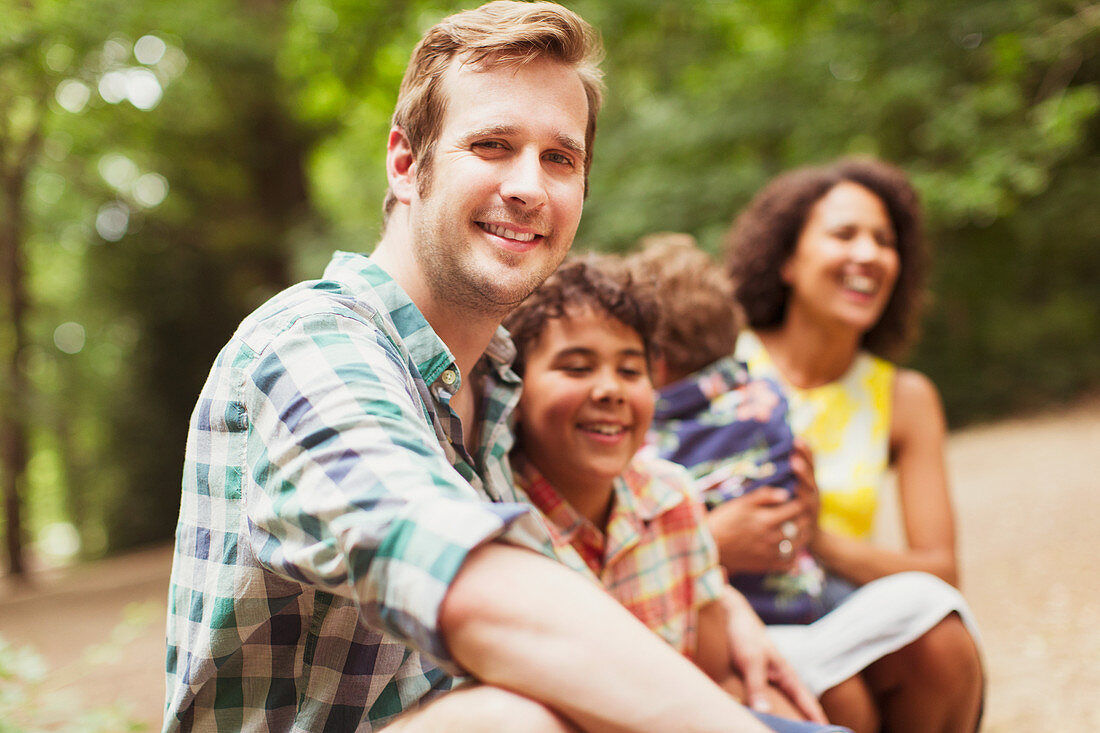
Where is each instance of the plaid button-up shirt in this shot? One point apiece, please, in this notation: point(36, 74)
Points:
point(328, 502)
point(657, 557)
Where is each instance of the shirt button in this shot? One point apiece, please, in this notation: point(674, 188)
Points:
point(448, 377)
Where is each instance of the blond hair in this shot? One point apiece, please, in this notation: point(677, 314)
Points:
point(698, 319)
point(499, 33)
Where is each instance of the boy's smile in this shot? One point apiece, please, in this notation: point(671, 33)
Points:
point(587, 401)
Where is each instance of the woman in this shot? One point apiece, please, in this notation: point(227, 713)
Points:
point(828, 265)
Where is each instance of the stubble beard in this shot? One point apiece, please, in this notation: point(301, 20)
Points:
point(461, 275)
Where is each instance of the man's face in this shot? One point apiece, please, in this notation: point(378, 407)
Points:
point(504, 197)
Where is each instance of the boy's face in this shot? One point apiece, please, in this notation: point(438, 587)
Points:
point(587, 400)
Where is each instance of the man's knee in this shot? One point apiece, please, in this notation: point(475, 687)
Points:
point(481, 708)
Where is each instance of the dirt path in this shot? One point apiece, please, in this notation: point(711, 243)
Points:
point(1027, 495)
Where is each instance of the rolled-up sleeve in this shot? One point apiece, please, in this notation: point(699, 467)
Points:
point(351, 491)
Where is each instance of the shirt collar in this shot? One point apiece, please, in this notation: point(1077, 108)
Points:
point(640, 496)
point(688, 396)
point(650, 494)
point(366, 281)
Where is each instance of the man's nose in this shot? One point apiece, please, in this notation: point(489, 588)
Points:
point(524, 182)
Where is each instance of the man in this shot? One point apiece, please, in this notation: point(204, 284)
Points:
point(349, 542)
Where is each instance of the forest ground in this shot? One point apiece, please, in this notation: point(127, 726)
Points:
point(1027, 495)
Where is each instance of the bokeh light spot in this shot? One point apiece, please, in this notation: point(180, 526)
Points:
point(142, 88)
point(149, 50)
point(60, 541)
point(150, 189)
point(115, 51)
point(112, 221)
point(69, 337)
point(112, 87)
point(59, 57)
point(118, 171)
point(73, 95)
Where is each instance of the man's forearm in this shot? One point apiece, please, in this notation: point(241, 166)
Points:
point(522, 622)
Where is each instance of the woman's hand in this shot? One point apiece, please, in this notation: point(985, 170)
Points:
point(759, 532)
point(764, 530)
point(802, 464)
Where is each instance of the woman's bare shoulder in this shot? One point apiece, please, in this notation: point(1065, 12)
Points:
point(918, 408)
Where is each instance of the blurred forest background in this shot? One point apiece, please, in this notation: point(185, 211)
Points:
point(165, 167)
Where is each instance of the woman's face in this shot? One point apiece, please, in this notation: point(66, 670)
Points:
point(845, 263)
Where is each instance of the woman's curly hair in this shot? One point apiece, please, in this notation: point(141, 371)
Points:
point(764, 236)
point(599, 282)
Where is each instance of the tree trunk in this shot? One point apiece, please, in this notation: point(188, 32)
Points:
point(13, 390)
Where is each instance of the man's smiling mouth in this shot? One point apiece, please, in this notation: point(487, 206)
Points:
point(506, 233)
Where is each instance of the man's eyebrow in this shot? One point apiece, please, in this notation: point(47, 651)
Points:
point(571, 144)
point(491, 131)
point(568, 142)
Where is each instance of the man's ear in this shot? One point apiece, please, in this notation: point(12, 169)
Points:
point(400, 166)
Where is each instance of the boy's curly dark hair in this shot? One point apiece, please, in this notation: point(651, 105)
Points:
point(764, 236)
point(699, 320)
point(600, 282)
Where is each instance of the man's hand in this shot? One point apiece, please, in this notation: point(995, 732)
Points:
point(754, 656)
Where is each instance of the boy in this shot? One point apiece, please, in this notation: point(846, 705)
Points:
point(629, 523)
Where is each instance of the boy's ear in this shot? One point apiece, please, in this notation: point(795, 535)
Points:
point(660, 371)
point(400, 166)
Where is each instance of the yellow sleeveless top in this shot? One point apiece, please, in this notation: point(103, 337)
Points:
point(847, 425)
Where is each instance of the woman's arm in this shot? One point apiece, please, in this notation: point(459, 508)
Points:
point(918, 434)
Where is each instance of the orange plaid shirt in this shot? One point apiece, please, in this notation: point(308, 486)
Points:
point(657, 557)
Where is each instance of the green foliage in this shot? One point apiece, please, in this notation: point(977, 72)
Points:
point(991, 106)
point(270, 136)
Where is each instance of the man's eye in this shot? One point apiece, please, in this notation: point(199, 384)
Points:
point(489, 145)
point(560, 159)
